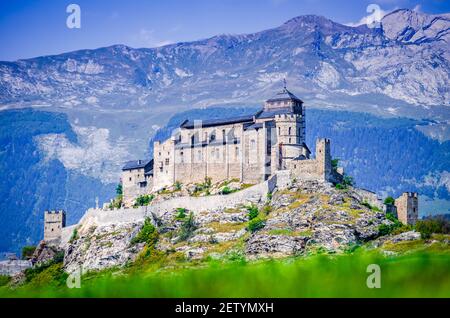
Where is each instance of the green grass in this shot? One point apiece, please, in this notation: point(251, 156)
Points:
point(418, 274)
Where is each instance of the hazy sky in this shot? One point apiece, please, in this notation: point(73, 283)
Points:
point(35, 28)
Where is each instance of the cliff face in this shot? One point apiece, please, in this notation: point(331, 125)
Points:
point(299, 219)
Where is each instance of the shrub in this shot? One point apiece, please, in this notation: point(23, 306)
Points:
point(117, 202)
point(269, 196)
point(347, 181)
point(49, 273)
point(256, 224)
point(74, 236)
point(181, 213)
point(372, 207)
point(433, 225)
point(267, 209)
point(389, 201)
point(396, 227)
point(119, 189)
point(187, 228)
point(148, 234)
point(144, 200)
point(27, 252)
point(178, 185)
point(334, 164)
point(252, 212)
point(4, 280)
point(226, 190)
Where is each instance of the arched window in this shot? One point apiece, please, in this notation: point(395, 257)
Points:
point(289, 131)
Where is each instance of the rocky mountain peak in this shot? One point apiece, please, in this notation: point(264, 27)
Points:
point(411, 26)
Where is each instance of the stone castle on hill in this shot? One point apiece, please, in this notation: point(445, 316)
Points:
point(247, 148)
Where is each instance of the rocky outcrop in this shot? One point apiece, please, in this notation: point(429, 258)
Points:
point(102, 247)
point(44, 253)
point(302, 217)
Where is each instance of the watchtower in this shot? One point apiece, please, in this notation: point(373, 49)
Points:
point(408, 208)
point(54, 221)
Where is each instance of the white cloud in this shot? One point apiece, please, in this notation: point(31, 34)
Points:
point(378, 15)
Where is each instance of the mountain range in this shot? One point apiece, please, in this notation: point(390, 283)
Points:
point(73, 119)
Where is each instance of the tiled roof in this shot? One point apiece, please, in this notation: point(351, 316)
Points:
point(218, 122)
point(272, 113)
point(137, 164)
point(284, 95)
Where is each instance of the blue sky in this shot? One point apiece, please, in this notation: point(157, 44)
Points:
point(35, 28)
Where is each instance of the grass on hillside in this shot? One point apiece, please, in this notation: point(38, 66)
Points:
point(417, 274)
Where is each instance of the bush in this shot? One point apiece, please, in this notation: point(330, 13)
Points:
point(396, 227)
point(119, 189)
point(226, 190)
point(144, 200)
point(252, 212)
point(187, 228)
point(372, 207)
point(334, 164)
point(430, 226)
point(181, 213)
point(148, 234)
point(389, 201)
point(348, 181)
point(4, 280)
point(340, 186)
point(267, 209)
point(256, 224)
point(49, 273)
point(117, 202)
point(74, 236)
point(27, 252)
point(178, 186)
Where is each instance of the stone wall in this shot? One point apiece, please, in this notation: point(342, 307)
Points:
point(13, 267)
point(369, 197)
point(100, 217)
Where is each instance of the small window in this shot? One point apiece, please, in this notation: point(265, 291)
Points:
point(199, 155)
point(130, 178)
point(167, 161)
point(290, 131)
point(253, 143)
point(236, 152)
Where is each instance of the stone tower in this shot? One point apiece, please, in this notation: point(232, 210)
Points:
point(54, 221)
point(323, 157)
point(408, 208)
point(289, 118)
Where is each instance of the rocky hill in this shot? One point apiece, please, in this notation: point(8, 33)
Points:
point(300, 219)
